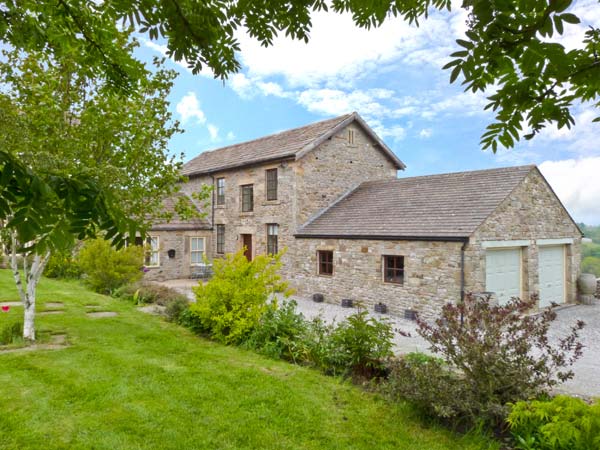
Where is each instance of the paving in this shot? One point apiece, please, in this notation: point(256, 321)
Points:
point(586, 382)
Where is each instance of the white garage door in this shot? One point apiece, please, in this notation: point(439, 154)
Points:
point(503, 273)
point(552, 275)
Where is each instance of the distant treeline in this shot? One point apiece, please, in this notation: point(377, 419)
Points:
point(591, 252)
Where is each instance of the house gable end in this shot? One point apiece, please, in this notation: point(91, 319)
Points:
point(532, 210)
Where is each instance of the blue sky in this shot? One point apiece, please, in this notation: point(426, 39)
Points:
point(392, 77)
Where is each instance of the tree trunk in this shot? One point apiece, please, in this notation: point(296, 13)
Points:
point(28, 293)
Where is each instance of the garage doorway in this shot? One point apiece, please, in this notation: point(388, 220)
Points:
point(503, 273)
point(552, 275)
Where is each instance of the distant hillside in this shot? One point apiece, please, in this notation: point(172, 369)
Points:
point(590, 262)
point(592, 232)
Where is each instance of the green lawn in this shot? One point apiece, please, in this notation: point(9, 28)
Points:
point(137, 382)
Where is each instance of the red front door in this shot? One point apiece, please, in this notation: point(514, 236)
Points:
point(247, 243)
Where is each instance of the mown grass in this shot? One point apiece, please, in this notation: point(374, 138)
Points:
point(137, 382)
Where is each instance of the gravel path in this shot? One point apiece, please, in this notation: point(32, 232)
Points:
point(586, 382)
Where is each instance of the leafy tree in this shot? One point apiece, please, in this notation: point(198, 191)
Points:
point(510, 46)
point(94, 159)
point(591, 264)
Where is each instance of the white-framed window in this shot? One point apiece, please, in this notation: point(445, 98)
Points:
point(152, 252)
point(196, 250)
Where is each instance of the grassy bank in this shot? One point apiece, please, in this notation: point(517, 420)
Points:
point(136, 382)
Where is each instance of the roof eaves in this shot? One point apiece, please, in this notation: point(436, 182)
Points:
point(254, 162)
point(384, 237)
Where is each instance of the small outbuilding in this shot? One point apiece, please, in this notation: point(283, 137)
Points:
point(417, 243)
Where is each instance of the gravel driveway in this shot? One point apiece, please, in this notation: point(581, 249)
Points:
point(586, 382)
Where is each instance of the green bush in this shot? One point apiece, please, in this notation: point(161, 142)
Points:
point(11, 332)
point(106, 268)
point(429, 384)
point(359, 346)
point(175, 309)
point(62, 265)
point(280, 334)
point(494, 355)
point(145, 293)
point(562, 423)
point(231, 304)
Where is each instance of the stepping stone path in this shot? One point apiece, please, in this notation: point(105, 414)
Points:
point(50, 313)
point(57, 341)
point(54, 305)
point(92, 306)
point(11, 304)
point(152, 309)
point(102, 314)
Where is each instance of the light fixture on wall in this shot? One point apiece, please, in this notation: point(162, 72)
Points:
point(171, 253)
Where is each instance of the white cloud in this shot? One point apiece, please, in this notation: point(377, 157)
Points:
point(213, 131)
point(230, 136)
point(338, 52)
point(577, 184)
point(582, 139)
point(425, 133)
point(336, 102)
point(189, 108)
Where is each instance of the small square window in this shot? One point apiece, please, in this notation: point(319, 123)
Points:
point(393, 269)
point(247, 198)
point(271, 180)
point(325, 260)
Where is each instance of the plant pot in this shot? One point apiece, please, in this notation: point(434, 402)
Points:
point(347, 303)
point(587, 284)
point(381, 308)
point(318, 298)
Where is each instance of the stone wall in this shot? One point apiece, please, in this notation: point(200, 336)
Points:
point(265, 212)
point(531, 212)
point(335, 167)
point(431, 278)
point(180, 266)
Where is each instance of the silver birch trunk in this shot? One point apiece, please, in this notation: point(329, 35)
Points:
point(28, 292)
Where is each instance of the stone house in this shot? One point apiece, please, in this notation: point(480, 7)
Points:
point(329, 193)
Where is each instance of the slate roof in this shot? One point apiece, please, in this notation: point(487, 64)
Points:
point(447, 206)
point(292, 143)
point(197, 223)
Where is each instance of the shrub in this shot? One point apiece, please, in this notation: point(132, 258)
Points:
point(62, 265)
point(144, 293)
point(107, 268)
point(494, 355)
point(175, 308)
point(280, 333)
point(562, 423)
point(359, 346)
point(11, 332)
point(230, 305)
point(429, 384)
